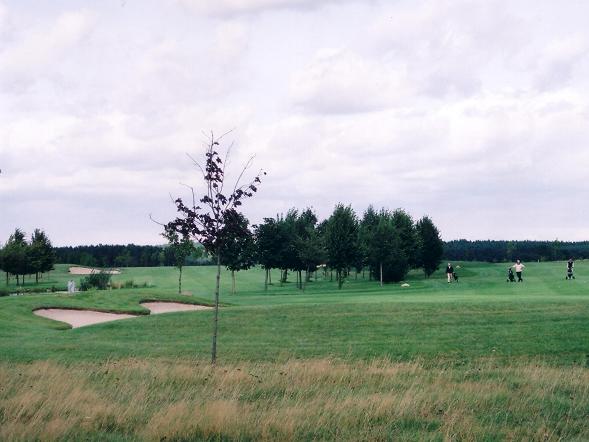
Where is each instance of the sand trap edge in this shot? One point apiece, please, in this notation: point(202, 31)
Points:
point(78, 317)
point(160, 307)
point(68, 315)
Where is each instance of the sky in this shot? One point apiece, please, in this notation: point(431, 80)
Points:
point(475, 113)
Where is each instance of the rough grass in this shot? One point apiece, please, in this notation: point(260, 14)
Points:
point(137, 399)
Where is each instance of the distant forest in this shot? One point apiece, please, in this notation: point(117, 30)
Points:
point(130, 255)
point(458, 250)
point(508, 251)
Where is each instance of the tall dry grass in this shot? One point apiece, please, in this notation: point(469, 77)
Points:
point(296, 400)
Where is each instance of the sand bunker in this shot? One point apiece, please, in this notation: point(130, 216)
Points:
point(89, 271)
point(81, 318)
point(167, 307)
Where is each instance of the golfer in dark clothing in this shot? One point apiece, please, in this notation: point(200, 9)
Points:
point(449, 272)
point(570, 269)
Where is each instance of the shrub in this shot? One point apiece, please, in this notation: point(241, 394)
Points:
point(100, 280)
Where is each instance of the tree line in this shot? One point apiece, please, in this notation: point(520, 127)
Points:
point(130, 255)
point(386, 243)
point(509, 251)
point(20, 257)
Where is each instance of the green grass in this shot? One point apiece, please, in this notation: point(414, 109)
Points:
point(482, 315)
point(482, 359)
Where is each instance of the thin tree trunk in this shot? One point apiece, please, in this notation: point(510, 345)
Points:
point(17, 280)
point(301, 279)
point(233, 282)
point(36, 277)
point(270, 276)
point(266, 281)
point(307, 278)
point(381, 274)
point(216, 314)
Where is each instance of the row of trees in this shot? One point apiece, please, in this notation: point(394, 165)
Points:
point(509, 251)
point(20, 257)
point(130, 255)
point(387, 243)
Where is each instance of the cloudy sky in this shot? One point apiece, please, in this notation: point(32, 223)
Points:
point(474, 112)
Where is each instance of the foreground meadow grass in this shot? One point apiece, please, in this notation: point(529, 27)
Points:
point(478, 360)
point(296, 400)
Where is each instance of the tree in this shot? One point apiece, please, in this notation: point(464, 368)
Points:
point(431, 247)
point(16, 255)
point(238, 251)
point(309, 245)
point(181, 246)
point(287, 254)
point(386, 258)
point(205, 220)
point(408, 242)
point(366, 230)
point(341, 241)
point(268, 247)
point(42, 255)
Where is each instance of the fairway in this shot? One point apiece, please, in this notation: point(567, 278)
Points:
point(482, 325)
point(482, 315)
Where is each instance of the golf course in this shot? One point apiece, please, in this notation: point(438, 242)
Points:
point(478, 359)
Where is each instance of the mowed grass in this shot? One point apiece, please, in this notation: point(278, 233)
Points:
point(479, 360)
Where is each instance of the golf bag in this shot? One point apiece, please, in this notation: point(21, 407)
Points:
point(510, 275)
point(455, 276)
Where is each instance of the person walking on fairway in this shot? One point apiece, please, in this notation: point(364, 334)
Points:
point(449, 272)
point(519, 268)
point(570, 269)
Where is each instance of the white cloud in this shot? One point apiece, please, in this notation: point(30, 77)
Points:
point(36, 50)
point(238, 7)
point(338, 81)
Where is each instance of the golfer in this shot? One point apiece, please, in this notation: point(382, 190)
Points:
point(570, 269)
point(519, 268)
point(449, 272)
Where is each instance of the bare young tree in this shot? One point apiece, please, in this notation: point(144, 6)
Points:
point(207, 218)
